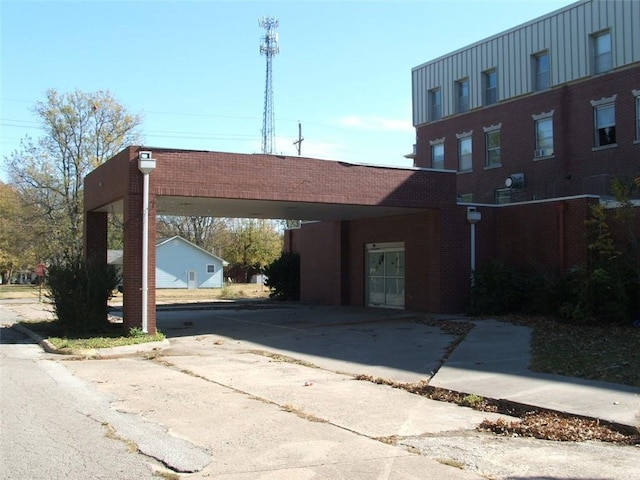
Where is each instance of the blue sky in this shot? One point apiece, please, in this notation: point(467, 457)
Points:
point(193, 69)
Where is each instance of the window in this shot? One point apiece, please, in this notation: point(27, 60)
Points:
point(541, 71)
point(462, 91)
point(435, 105)
point(605, 125)
point(503, 195)
point(437, 155)
point(601, 46)
point(465, 197)
point(492, 142)
point(490, 87)
point(464, 154)
point(544, 134)
point(211, 268)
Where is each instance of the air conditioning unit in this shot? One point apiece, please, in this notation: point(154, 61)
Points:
point(539, 153)
point(515, 180)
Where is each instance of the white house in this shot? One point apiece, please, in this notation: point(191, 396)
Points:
point(181, 264)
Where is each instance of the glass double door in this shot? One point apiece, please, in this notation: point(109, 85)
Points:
point(385, 275)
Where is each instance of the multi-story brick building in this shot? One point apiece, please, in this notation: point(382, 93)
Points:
point(548, 109)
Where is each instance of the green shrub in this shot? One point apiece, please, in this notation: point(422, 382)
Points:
point(607, 294)
point(283, 277)
point(79, 292)
point(499, 289)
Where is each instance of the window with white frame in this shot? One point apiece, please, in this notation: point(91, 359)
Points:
point(465, 151)
point(437, 153)
point(544, 134)
point(211, 268)
point(541, 72)
point(435, 105)
point(492, 145)
point(604, 119)
point(462, 96)
point(601, 48)
point(490, 87)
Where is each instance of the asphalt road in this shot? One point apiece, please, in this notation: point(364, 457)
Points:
point(46, 427)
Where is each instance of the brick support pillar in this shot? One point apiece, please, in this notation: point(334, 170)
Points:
point(95, 236)
point(95, 241)
point(345, 264)
point(132, 259)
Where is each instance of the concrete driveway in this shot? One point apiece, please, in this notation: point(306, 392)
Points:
point(270, 393)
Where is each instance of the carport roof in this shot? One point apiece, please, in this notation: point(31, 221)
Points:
point(219, 184)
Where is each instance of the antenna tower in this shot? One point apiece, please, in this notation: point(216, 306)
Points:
point(268, 48)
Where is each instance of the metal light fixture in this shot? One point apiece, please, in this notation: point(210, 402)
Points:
point(473, 217)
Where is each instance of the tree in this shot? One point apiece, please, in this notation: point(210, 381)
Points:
point(81, 131)
point(255, 243)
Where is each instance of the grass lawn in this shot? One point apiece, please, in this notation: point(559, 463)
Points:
point(607, 353)
point(12, 292)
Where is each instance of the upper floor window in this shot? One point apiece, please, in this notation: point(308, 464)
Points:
point(465, 153)
point(437, 154)
point(601, 47)
point(462, 96)
point(604, 120)
point(435, 104)
point(605, 125)
point(541, 77)
point(544, 134)
point(490, 87)
point(492, 142)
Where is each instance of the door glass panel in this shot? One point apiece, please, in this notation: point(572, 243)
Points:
point(376, 264)
point(376, 291)
point(395, 292)
point(394, 264)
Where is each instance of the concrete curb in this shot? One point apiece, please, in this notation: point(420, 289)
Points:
point(48, 347)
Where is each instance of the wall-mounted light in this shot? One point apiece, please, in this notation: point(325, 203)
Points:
point(473, 217)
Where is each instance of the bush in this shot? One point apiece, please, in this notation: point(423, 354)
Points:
point(599, 295)
point(79, 292)
point(283, 277)
point(499, 289)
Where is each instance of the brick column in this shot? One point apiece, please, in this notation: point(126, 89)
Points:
point(95, 242)
point(95, 236)
point(132, 258)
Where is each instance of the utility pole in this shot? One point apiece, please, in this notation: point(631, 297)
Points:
point(298, 144)
point(269, 48)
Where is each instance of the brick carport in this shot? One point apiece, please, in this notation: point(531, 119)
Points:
point(201, 183)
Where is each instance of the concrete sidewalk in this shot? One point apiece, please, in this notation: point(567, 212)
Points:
point(493, 361)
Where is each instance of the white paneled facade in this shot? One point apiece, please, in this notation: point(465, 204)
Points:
point(566, 36)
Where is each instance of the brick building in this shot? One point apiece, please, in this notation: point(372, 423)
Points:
point(547, 109)
point(534, 123)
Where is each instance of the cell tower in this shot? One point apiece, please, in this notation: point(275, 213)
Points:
point(268, 48)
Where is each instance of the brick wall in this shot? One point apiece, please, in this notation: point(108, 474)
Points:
point(320, 274)
point(575, 168)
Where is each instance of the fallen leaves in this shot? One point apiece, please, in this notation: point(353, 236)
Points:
point(557, 427)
